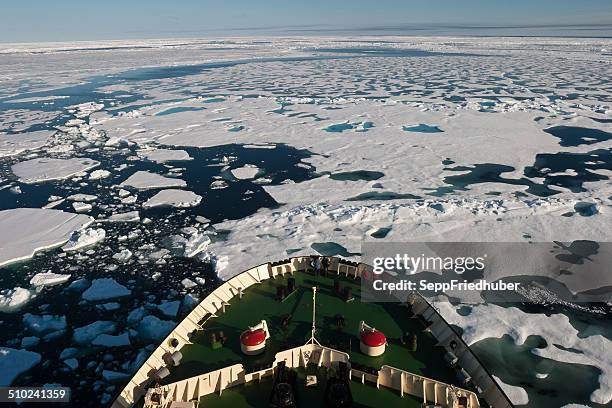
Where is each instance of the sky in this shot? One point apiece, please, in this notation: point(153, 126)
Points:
point(72, 20)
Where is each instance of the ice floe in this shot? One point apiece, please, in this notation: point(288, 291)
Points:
point(152, 328)
point(44, 324)
point(14, 362)
point(48, 279)
point(108, 340)
point(25, 231)
point(13, 299)
point(84, 238)
point(130, 216)
point(14, 144)
point(144, 180)
point(105, 288)
point(99, 174)
point(164, 155)
point(191, 242)
point(45, 169)
point(86, 334)
point(245, 172)
point(174, 198)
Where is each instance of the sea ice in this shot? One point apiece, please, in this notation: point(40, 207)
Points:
point(107, 340)
point(245, 172)
point(173, 198)
point(164, 155)
point(13, 299)
point(169, 309)
point(44, 324)
point(99, 174)
point(144, 180)
point(14, 362)
point(45, 168)
point(81, 207)
point(14, 144)
point(517, 395)
point(48, 279)
point(84, 238)
point(130, 216)
point(153, 329)
point(25, 231)
point(188, 283)
point(29, 341)
point(86, 334)
point(492, 321)
point(123, 256)
point(87, 198)
point(105, 288)
point(191, 243)
point(73, 363)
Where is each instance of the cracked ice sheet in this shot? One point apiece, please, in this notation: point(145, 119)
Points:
point(261, 237)
point(486, 321)
point(25, 231)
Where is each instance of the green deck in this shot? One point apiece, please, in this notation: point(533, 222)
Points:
point(259, 302)
point(257, 394)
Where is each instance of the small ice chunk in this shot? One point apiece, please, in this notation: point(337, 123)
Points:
point(105, 288)
point(123, 256)
point(84, 238)
point(169, 309)
point(73, 363)
point(136, 315)
point(192, 243)
point(123, 193)
point(29, 341)
point(44, 324)
point(87, 198)
point(247, 172)
point(79, 285)
point(188, 283)
point(131, 216)
point(151, 328)
point(86, 334)
point(218, 185)
point(13, 299)
point(81, 207)
point(68, 353)
point(99, 174)
point(48, 279)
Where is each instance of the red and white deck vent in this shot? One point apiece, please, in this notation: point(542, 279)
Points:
point(372, 342)
point(253, 340)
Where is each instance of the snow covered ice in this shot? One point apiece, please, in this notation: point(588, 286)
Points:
point(173, 198)
point(46, 169)
point(24, 231)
